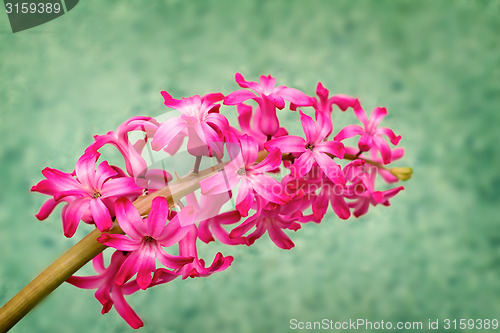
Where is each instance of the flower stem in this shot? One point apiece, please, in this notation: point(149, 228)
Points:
point(86, 249)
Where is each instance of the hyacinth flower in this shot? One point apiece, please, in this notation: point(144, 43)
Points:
point(249, 121)
point(312, 149)
point(371, 135)
point(90, 196)
point(370, 196)
point(135, 164)
point(146, 239)
point(271, 218)
point(251, 178)
point(269, 97)
point(108, 292)
point(263, 180)
point(187, 248)
point(199, 121)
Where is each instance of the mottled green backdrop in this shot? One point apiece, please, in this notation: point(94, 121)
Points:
point(434, 64)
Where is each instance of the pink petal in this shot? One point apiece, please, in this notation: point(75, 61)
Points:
point(348, 132)
point(269, 188)
point(376, 117)
point(361, 114)
point(176, 143)
point(98, 263)
point(270, 163)
point(172, 261)
point(245, 197)
point(46, 209)
point(344, 102)
point(238, 96)
point(123, 186)
point(340, 207)
point(320, 205)
point(85, 167)
point(119, 242)
point(218, 121)
point(157, 217)
point(124, 310)
point(128, 269)
point(86, 282)
point(73, 214)
point(309, 127)
point(221, 182)
point(103, 172)
point(297, 97)
point(60, 180)
point(129, 219)
point(268, 122)
point(100, 214)
point(186, 216)
point(330, 168)
point(167, 131)
point(249, 149)
point(146, 267)
point(277, 100)
point(245, 84)
point(213, 97)
point(335, 148)
point(287, 144)
point(303, 164)
point(173, 232)
point(390, 134)
point(384, 149)
point(279, 237)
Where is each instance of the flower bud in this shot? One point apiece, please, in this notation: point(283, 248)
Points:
point(403, 173)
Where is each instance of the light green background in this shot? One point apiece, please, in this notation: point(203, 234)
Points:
point(434, 64)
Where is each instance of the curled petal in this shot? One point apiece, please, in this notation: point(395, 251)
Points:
point(279, 237)
point(238, 96)
point(124, 309)
point(390, 134)
point(348, 132)
point(287, 144)
point(344, 102)
point(167, 131)
point(296, 97)
point(46, 209)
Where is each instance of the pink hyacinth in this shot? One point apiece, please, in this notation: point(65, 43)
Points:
point(135, 164)
point(199, 121)
point(269, 97)
point(262, 180)
point(312, 149)
point(371, 136)
point(271, 218)
point(251, 177)
point(108, 293)
point(370, 196)
point(89, 197)
point(147, 238)
point(187, 248)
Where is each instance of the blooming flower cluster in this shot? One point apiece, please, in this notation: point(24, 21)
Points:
point(268, 181)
